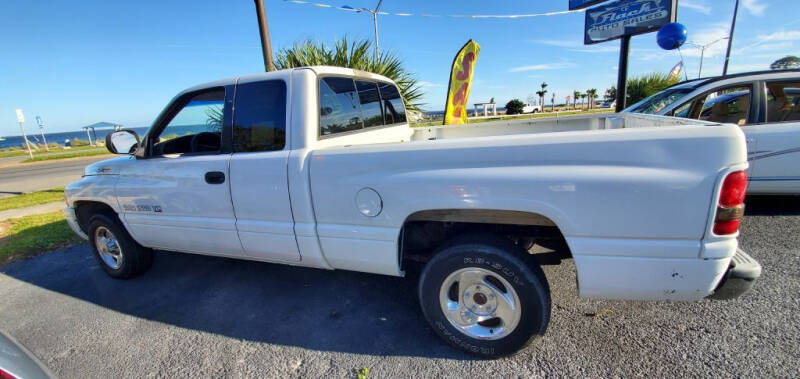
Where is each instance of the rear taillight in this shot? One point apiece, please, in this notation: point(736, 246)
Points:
point(731, 203)
point(5, 375)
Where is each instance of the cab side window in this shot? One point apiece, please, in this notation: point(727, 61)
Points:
point(340, 108)
point(196, 128)
point(370, 101)
point(259, 119)
point(347, 105)
point(783, 102)
point(393, 109)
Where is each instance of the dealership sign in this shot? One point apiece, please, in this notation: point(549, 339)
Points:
point(626, 18)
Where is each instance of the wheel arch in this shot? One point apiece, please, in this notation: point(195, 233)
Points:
point(424, 231)
point(84, 209)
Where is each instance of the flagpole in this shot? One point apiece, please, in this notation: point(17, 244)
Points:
point(683, 65)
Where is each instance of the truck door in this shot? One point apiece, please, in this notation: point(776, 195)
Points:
point(775, 162)
point(177, 198)
point(258, 171)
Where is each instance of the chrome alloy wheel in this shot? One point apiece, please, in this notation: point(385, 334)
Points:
point(480, 303)
point(108, 247)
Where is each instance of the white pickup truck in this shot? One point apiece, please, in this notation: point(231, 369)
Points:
point(318, 167)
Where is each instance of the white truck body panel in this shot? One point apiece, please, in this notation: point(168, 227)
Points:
point(773, 146)
point(633, 195)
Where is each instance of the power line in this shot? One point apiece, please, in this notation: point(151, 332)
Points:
point(406, 14)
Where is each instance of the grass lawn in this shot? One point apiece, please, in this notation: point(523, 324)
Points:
point(31, 235)
point(68, 154)
point(54, 153)
point(33, 198)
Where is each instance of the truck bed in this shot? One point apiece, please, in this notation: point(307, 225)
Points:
point(550, 125)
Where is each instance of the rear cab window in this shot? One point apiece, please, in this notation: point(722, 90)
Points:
point(353, 105)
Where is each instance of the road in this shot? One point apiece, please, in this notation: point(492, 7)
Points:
point(195, 316)
point(16, 178)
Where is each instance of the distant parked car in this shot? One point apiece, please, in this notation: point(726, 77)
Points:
point(766, 105)
point(528, 108)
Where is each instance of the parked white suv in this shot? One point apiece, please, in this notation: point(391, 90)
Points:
point(317, 167)
point(766, 105)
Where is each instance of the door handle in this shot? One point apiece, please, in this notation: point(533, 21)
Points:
point(215, 177)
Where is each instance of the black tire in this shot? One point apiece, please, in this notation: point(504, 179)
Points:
point(136, 259)
point(503, 259)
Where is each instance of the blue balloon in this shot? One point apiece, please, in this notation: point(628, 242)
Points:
point(671, 36)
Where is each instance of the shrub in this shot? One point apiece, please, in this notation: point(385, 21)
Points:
point(643, 86)
point(514, 106)
point(79, 142)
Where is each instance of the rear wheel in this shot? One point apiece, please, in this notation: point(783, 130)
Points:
point(484, 295)
point(115, 250)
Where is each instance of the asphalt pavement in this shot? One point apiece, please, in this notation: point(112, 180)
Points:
point(17, 178)
point(196, 316)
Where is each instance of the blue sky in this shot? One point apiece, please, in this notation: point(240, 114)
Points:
point(79, 62)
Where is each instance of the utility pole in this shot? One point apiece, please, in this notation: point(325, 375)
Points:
point(374, 14)
point(266, 47)
point(622, 78)
point(21, 120)
point(730, 39)
point(703, 53)
point(375, 21)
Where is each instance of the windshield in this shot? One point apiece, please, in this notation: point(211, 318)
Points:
point(659, 101)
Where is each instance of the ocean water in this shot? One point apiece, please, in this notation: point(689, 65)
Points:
point(59, 138)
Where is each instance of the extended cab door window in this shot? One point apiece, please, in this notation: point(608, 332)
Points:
point(259, 122)
point(196, 128)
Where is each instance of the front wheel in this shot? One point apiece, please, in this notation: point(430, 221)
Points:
point(117, 253)
point(481, 296)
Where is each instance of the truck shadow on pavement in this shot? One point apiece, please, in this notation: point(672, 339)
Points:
point(772, 206)
point(276, 304)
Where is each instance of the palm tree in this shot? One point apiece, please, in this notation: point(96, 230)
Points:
point(592, 93)
point(541, 94)
point(645, 85)
point(575, 96)
point(583, 99)
point(355, 55)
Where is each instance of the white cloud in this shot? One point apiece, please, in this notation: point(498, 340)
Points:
point(755, 7)
point(717, 32)
point(423, 83)
point(791, 35)
point(696, 6)
point(536, 67)
point(558, 42)
point(576, 44)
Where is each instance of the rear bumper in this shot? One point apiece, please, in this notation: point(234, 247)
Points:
point(72, 221)
point(742, 273)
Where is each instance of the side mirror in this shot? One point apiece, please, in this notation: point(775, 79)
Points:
point(122, 142)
